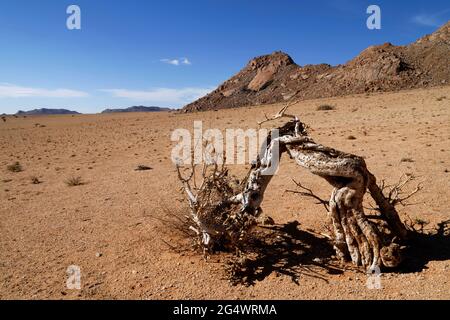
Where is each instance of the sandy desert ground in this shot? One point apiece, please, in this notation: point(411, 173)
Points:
point(107, 227)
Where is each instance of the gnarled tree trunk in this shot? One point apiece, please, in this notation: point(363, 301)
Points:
point(356, 238)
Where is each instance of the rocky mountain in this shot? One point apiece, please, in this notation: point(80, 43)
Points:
point(275, 78)
point(137, 109)
point(45, 111)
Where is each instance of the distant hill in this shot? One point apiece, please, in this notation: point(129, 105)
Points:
point(137, 109)
point(276, 77)
point(45, 111)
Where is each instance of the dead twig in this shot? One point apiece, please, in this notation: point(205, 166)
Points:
point(282, 112)
point(395, 193)
point(309, 193)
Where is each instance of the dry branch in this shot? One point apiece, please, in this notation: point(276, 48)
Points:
point(309, 193)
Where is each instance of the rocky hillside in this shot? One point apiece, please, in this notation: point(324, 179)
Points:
point(276, 78)
point(45, 111)
point(137, 109)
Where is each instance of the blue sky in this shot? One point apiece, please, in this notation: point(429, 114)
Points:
point(168, 53)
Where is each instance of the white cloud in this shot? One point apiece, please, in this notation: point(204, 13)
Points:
point(174, 62)
point(431, 19)
point(13, 91)
point(185, 61)
point(158, 96)
point(426, 20)
point(177, 61)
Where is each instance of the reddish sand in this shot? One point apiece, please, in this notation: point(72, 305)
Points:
point(105, 226)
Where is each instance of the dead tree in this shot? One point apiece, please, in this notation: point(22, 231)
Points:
point(356, 238)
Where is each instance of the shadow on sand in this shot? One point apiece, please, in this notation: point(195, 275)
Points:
point(283, 250)
point(425, 247)
point(288, 250)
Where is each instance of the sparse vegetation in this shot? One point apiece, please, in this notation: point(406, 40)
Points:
point(15, 167)
point(35, 180)
point(142, 167)
point(74, 181)
point(441, 98)
point(325, 107)
point(406, 159)
point(351, 137)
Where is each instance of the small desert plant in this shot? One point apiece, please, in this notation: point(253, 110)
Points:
point(441, 98)
point(15, 167)
point(351, 138)
point(35, 180)
point(142, 167)
point(325, 107)
point(406, 159)
point(74, 181)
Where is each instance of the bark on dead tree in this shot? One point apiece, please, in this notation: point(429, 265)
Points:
point(356, 238)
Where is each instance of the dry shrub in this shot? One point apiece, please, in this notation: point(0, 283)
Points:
point(218, 223)
point(173, 226)
point(35, 180)
point(74, 181)
point(142, 167)
point(325, 107)
point(15, 167)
